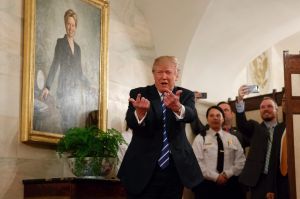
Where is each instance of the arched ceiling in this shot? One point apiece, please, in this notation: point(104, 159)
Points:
point(215, 40)
point(173, 23)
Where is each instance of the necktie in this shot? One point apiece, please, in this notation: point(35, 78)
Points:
point(163, 161)
point(283, 160)
point(220, 161)
point(268, 154)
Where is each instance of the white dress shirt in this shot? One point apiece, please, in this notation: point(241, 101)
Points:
point(206, 151)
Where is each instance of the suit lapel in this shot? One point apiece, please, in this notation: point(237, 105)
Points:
point(156, 104)
point(170, 117)
point(265, 131)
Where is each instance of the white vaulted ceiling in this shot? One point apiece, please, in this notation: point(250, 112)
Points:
point(215, 40)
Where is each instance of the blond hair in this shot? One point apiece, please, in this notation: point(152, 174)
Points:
point(171, 59)
point(70, 13)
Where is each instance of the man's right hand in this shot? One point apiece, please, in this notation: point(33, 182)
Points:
point(243, 90)
point(221, 180)
point(141, 105)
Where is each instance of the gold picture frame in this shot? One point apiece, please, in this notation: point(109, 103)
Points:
point(47, 112)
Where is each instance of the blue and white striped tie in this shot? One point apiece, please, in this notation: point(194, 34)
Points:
point(163, 160)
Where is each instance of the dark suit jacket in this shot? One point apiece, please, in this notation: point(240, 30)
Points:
point(258, 135)
point(277, 183)
point(70, 76)
point(198, 127)
point(143, 152)
point(243, 139)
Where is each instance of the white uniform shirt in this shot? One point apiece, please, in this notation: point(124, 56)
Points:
point(206, 151)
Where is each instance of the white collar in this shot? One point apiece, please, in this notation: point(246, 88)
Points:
point(213, 132)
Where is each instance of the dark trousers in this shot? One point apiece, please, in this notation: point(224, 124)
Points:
point(211, 190)
point(260, 190)
point(282, 187)
point(164, 184)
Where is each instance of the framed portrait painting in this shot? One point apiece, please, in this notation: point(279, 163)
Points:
point(64, 67)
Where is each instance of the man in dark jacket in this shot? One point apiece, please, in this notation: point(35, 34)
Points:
point(256, 170)
point(157, 115)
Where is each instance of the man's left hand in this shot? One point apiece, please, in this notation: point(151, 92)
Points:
point(171, 100)
point(270, 195)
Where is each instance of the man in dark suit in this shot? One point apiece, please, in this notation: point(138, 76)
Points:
point(256, 170)
point(157, 115)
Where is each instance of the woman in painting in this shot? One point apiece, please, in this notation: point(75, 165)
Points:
point(71, 80)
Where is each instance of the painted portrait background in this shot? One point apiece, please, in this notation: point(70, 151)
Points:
point(49, 27)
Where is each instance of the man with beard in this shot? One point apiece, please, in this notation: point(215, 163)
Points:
point(256, 170)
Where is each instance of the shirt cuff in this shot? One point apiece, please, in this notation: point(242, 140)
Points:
point(214, 176)
point(240, 106)
point(137, 118)
point(182, 113)
point(229, 173)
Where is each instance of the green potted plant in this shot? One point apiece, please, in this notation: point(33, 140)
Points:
point(91, 151)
